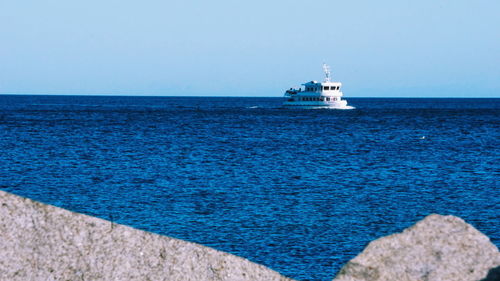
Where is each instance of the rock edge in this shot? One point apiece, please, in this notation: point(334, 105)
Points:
point(43, 242)
point(436, 248)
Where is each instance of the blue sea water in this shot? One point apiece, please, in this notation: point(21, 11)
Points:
point(300, 191)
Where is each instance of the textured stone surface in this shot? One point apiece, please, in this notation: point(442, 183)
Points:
point(42, 242)
point(438, 248)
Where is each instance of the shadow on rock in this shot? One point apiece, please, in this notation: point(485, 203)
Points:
point(493, 274)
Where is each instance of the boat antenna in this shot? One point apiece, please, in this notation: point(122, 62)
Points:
point(326, 68)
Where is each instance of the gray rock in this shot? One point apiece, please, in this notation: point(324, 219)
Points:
point(42, 242)
point(438, 248)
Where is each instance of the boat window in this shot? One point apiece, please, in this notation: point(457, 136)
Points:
point(326, 88)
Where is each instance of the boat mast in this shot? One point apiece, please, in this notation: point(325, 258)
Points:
point(326, 69)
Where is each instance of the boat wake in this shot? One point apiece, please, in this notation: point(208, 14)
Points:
point(347, 107)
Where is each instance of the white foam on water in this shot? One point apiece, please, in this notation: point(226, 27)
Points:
point(347, 107)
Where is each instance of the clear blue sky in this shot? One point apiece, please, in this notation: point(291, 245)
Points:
point(442, 48)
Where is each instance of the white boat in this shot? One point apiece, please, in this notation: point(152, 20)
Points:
point(313, 94)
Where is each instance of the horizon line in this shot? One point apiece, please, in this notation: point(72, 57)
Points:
point(224, 96)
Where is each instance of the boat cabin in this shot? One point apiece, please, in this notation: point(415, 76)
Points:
point(325, 87)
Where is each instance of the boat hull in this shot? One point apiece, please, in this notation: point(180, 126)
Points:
point(317, 105)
